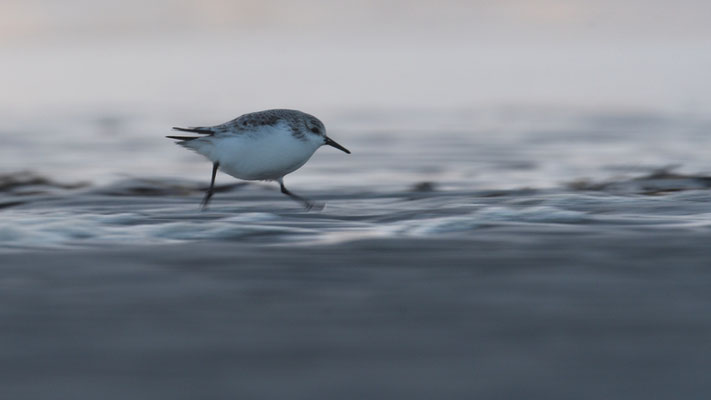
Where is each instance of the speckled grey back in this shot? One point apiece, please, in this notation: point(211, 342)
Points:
point(299, 122)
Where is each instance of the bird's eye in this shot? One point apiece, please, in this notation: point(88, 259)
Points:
point(314, 130)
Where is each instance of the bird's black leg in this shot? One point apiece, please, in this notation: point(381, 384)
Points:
point(210, 191)
point(309, 205)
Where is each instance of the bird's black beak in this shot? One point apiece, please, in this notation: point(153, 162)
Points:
point(330, 142)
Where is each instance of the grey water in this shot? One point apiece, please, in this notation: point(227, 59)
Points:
point(460, 253)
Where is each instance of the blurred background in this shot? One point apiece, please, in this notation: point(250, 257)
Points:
point(526, 212)
point(229, 57)
point(84, 79)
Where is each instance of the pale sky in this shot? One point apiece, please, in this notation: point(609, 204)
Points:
point(138, 54)
point(637, 19)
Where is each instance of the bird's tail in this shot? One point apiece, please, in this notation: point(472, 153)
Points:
point(197, 129)
point(183, 138)
point(200, 144)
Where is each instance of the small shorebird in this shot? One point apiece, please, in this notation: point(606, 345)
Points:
point(264, 145)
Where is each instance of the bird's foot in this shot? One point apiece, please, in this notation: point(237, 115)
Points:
point(205, 202)
point(314, 206)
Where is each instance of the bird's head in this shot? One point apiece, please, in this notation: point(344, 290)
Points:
point(315, 130)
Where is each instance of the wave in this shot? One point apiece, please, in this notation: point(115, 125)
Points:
point(24, 182)
point(658, 182)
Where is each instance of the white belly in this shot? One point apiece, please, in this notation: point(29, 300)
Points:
point(267, 156)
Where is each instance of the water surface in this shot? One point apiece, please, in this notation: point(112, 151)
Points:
point(459, 254)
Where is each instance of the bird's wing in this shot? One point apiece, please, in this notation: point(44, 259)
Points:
point(245, 123)
point(252, 121)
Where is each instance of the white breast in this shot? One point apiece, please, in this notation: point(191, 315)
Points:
point(266, 154)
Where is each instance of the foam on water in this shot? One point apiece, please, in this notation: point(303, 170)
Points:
point(92, 217)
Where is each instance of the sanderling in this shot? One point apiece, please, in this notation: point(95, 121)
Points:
point(264, 145)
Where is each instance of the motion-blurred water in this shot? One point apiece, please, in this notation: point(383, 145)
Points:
point(119, 181)
point(460, 253)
